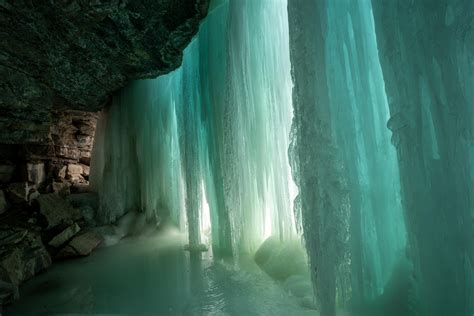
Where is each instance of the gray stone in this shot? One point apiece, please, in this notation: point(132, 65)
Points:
point(6, 173)
point(86, 170)
point(24, 258)
point(36, 172)
point(64, 236)
point(81, 245)
point(74, 173)
point(57, 210)
point(3, 202)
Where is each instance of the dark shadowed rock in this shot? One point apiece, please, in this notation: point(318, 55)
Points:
point(84, 199)
point(64, 236)
point(18, 192)
point(22, 254)
point(57, 210)
point(74, 54)
point(81, 245)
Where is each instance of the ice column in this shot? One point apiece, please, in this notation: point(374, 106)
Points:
point(343, 160)
point(316, 161)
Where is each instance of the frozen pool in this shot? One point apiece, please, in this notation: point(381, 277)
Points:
point(154, 276)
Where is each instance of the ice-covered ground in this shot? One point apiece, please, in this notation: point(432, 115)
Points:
point(154, 276)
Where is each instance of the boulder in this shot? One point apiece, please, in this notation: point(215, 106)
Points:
point(74, 172)
point(64, 236)
point(3, 203)
point(6, 172)
point(81, 245)
point(35, 172)
point(22, 254)
point(57, 211)
point(73, 169)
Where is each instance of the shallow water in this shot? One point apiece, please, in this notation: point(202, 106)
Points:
point(154, 276)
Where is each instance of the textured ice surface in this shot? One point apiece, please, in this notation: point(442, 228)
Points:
point(427, 53)
point(206, 145)
point(343, 160)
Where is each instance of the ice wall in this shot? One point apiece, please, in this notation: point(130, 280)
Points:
point(344, 163)
point(426, 51)
point(215, 132)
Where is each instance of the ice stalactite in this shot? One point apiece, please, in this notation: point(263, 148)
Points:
point(218, 126)
point(426, 52)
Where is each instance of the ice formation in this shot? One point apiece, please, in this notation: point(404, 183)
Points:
point(427, 58)
point(213, 133)
point(368, 101)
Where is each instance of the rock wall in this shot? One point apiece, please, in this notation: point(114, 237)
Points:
point(58, 164)
point(73, 54)
point(39, 216)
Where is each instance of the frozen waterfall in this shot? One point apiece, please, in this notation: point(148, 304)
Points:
point(213, 133)
point(367, 101)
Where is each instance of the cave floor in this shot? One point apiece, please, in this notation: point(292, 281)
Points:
point(153, 276)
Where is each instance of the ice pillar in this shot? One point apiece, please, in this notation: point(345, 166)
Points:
point(317, 167)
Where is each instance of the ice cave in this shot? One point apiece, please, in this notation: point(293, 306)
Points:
point(237, 157)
